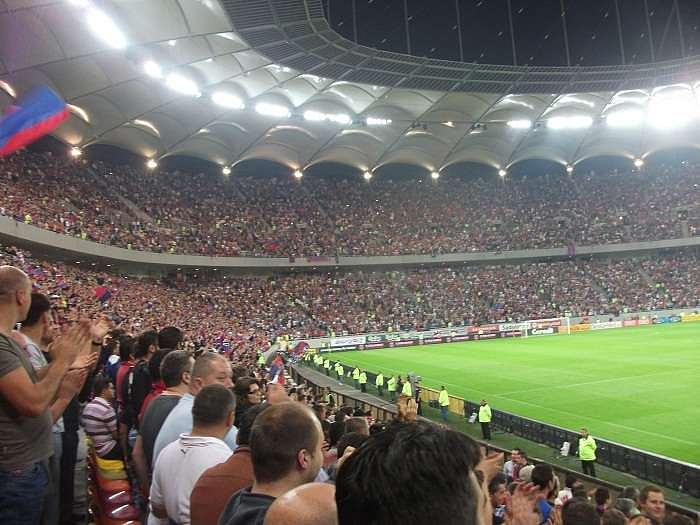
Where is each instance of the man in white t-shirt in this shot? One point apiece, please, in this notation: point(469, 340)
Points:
point(182, 462)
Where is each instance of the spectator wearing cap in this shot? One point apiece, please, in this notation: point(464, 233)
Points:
point(652, 503)
point(286, 451)
point(182, 462)
point(216, 485)
point(208, 369)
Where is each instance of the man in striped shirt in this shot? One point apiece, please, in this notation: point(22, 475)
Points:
point(100, 420)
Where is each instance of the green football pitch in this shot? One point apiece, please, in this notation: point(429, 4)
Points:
point(636, 386)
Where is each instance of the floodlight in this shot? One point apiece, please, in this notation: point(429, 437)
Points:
point(569, 169)
point(374, 121)
point(152, 69)
point(314, 116)
point(435, 175)
point(625, 118)
point(151, 164)
point(667, 112)
point(573, 122)
point(638, 163)
point(227, 100)
point(272, 110)
point(340, 118)
point(298, 174)
point(226, 170)
point(105, 29)
point(75, 152)
point(520, 124)
point(367, 175)
point(502, 172)
point(182, 84)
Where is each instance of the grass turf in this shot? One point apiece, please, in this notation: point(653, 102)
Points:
point(636, 386)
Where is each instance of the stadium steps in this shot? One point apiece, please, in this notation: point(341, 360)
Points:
point(110, 190)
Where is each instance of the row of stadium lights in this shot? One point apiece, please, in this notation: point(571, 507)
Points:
point(664, 111)
point(152, 164)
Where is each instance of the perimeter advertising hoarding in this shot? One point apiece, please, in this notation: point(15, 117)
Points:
point(607, 325)
point(690, 317)
point(351, 340)
point(549, 330)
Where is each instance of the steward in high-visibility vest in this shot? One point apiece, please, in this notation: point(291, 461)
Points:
point(341, 372)
point(391, 387)
point(356, 377)
point(261, 359)
point(586, 452)
point(379, 383)
point(485, 419)
point(444, 402)
point(327, 366)
point(407, 390)
point(363, 381)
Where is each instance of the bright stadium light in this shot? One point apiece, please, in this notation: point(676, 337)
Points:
point(666, 112)
point(75, 152)
point(298, 174)
point(569, 169)
point(520, 124)
point(367, 175)
point(502, 172)
point(227, 100)
point(105, 29)
point(152, 69)
point(625, 118)
point(182, 84)
point(272, 110)
point(226, 171)
point(151, 164)
point(573, 122)
point(638, 163)
point(435, 175)
point(314, 116)
point(317, 116)
point(373, 121)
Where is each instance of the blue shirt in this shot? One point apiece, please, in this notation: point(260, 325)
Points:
point(179, 421)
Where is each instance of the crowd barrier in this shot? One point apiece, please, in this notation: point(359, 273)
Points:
point(464, 408)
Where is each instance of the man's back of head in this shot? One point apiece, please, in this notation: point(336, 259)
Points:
point(357, 425)
point(39, 306)
point(15, 295)
point(310, 504)
point(213, 408)
point(285, 442)
point(578, 511)
point(412, 473)
point(170, 337)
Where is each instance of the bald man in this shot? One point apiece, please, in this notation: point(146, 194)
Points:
point(310, 504)
point(25, 418)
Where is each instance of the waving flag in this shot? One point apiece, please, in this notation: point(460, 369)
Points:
point(30, 118)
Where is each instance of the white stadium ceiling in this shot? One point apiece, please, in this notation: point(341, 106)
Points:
point(234, 80)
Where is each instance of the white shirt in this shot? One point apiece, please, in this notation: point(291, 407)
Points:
point(178, 468)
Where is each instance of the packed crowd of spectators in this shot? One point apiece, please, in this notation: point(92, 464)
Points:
point(240, 314)
point(176, 212)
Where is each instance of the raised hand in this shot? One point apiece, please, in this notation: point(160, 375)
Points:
point(99, 328)
point(71, 343)
point(84, 361)
point(72, 383)
point(491, 465)
point(521, 509)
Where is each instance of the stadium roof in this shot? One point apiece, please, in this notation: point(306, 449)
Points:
point(167, 77)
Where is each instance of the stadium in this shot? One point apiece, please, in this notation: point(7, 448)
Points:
point(356, 261)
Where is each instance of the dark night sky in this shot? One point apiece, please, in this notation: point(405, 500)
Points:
point(592, 27)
